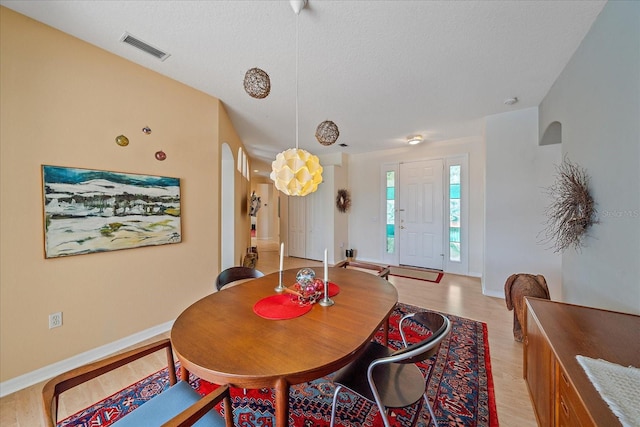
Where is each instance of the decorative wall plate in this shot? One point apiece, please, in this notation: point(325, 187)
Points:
point(122, 140)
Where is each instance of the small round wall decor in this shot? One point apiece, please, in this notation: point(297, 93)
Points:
point(343, 200)
point(161, 155)
point(122, 140)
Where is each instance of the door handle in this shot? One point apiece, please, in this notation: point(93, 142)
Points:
point(402, 227)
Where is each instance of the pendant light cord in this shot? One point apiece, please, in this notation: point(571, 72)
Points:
point(297, 126)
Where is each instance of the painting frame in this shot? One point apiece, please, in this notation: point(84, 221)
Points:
point(91, 210)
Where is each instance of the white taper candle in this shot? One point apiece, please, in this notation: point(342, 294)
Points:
point(326, 267)
point(281, 255)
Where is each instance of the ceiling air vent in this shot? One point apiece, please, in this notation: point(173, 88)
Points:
point(143, 46)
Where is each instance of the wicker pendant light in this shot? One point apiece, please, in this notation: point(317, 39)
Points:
point(327, 132)
point(257, 83)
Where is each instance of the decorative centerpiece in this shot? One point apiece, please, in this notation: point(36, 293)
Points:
point(307, 289)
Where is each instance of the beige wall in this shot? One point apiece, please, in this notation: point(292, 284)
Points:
point(63, 102)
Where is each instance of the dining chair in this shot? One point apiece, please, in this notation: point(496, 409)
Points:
point(233, 274)
point(177, 406)
point(390, 378)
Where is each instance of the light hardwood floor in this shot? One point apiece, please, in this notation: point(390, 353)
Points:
point(457, 295)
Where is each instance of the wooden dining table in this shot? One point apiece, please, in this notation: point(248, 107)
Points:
point(222, 340)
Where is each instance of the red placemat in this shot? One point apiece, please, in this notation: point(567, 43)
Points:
point(333, 289)
point(278, 307)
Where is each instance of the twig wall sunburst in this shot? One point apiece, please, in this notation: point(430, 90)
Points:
point(571, 211)
point(343, 200)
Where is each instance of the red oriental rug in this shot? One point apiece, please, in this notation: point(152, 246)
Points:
point(459, 386)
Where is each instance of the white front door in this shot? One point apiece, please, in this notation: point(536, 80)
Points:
point(297, 227)
point(421, 214)
point(315, 225)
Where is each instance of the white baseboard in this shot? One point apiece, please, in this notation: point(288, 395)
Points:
point(34, 377)
point(495, 294)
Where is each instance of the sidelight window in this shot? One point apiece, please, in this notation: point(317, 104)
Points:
point(454, 213)
point(391, 211)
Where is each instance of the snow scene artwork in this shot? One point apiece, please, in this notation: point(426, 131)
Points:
point(87, 211)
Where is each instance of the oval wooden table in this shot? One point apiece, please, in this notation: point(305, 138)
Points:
point(220, 338)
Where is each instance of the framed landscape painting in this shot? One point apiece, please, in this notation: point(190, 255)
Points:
point(87, 211)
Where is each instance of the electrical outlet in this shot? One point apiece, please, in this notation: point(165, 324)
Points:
point(55, 320)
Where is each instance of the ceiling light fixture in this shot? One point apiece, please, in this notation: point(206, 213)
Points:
point(296, 172)
point(511, 101)
point(414, 139)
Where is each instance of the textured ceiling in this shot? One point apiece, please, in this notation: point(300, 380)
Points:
point(381, 70)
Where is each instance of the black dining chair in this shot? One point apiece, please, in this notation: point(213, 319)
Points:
point(233, 274)
point(390, 378)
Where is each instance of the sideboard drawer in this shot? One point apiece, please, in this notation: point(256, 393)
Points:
point(570, 411)
point(566, 415)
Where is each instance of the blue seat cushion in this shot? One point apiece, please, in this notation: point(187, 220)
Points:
point(166, 405)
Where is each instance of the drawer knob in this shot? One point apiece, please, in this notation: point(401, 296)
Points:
point(564, 407)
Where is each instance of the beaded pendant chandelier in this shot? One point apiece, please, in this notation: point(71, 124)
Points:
point(296, 172)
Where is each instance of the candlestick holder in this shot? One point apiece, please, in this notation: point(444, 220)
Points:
point(280, 286)
point(326, 301)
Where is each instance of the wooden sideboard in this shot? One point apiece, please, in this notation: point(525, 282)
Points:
point(561, 392)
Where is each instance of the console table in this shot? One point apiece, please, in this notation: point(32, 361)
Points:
point(561, 392)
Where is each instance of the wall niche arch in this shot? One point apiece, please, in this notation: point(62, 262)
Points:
point(553, 134)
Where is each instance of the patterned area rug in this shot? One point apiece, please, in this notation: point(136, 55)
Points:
point(459, 387)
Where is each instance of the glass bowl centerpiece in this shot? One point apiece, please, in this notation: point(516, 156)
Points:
point(307, 289)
